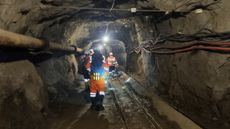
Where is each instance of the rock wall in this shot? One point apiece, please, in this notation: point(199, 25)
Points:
point(23, 98)
point(23, 90)
point(197, 82)
point(145, 61)
point(196, 79)
point(58, 21)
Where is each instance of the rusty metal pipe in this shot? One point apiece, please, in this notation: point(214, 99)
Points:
point(10, 39)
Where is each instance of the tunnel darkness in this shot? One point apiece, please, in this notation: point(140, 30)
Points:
point(174, 55)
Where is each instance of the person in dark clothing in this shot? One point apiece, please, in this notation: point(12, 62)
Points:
point(97, 85)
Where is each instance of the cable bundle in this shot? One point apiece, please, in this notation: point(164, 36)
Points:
point(202, 40)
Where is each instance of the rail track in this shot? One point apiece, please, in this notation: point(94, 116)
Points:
point(142, 105)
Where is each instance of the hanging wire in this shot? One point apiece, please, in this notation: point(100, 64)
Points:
point(112, 5)
point(204, 39)
point(107, 27)
point(114, 9)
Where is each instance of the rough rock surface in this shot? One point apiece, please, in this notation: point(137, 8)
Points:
point(196, 81)
point(200, 77)
point(23, 98)
point(58, 21)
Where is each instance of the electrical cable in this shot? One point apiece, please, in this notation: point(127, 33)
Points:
point(208, 48)
point(189, 7)
point(107, 27)
point(184, 4)
point(204, 39)
point(224, 44)
point(112, 5)
point(191, 47)
point(114, 9)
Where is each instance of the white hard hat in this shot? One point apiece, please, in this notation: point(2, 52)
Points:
point(91, 51)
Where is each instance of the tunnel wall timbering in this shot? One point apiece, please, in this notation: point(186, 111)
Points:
point(195, 81)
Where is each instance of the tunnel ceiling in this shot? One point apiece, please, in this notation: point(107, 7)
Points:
point(59, 19)
point(116, 31)
point(39, 18)
point(19, 16)
point(71, 8)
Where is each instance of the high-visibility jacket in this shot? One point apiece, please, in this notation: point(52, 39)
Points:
point(97, 83)
point(112, 60)
point(88, 64)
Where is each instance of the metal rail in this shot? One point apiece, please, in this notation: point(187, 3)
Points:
point(142, 106)
point(10, 39)
point(118, 106)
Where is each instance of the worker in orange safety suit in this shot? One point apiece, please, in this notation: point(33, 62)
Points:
point(97, 84)
point(112, 62)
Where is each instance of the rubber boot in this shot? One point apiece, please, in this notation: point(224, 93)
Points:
point(100, 106)
point(93, 101)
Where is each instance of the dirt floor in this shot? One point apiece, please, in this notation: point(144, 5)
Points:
point(123, 110)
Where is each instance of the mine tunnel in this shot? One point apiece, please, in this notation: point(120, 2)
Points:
point(170, 66)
